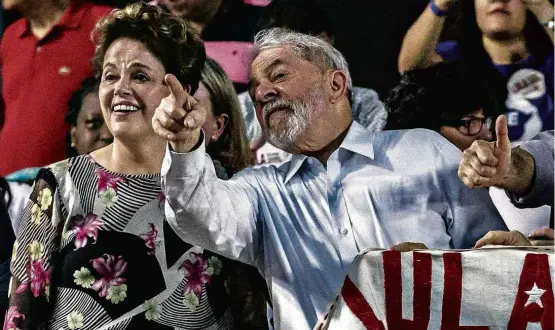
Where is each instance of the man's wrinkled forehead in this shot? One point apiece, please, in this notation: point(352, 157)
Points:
point(267, 58)
point(270, 58)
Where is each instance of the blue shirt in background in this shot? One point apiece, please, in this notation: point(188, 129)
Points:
point(529, 92)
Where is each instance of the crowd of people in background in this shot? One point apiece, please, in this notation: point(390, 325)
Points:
point(208, 163)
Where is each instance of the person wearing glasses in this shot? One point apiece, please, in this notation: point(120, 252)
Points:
point(445, 98)
point(449, 99)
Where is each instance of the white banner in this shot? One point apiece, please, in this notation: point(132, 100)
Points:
point(492, 288)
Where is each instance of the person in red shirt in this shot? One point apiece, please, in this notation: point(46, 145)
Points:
point(44, 58)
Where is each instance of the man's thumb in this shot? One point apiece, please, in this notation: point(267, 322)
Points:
point(502, 131)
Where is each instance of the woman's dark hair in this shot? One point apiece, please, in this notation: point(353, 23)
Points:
point(428, 98)
point(232, 148)
point(88, 86)
point(173, 41)
point(305, 16)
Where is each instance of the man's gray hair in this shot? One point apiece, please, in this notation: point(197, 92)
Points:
point(312, 49)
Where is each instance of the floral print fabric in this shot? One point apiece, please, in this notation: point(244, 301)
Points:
point(95, 250)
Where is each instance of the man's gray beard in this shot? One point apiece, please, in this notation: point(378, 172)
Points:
point(295, 124)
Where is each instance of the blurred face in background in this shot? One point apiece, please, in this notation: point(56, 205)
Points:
point(472, 127)
point(90, 131)
point(501, 19)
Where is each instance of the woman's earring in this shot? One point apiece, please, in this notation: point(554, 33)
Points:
point(214, 138)
point(72, 144)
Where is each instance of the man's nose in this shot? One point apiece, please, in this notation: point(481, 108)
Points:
point(265, 93)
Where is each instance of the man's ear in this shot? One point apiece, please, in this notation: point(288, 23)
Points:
point(187, 88)
point(338, 86)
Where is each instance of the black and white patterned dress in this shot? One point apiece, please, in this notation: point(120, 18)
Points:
point(95, 252)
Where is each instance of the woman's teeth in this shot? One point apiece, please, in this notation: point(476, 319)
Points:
point(125, 108)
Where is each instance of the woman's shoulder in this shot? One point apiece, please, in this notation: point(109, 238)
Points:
point(82, 164)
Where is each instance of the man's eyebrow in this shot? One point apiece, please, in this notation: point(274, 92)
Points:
point(272, 66)
point(266, 70)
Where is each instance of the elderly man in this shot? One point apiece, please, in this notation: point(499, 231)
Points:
point(346, 188)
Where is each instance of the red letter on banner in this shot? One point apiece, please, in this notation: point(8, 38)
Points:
point(534, 299)
point(422, 270)
point(359, 306)
point(452, 294)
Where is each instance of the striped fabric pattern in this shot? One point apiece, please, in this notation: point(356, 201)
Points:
point(92, 258)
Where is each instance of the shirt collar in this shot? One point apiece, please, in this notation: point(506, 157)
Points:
point(358, 140)
point(294, 165)
point(70, 19)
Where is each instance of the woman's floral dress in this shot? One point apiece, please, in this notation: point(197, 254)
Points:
point(95, 252)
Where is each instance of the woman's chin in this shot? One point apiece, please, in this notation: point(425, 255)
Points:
point(123, 131)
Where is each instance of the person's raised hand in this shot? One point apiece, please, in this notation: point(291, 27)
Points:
point(179, 117)
point(445, 4)
point(543, 10)
point(486, 164)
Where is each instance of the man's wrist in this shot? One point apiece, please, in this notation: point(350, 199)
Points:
point(189, 145)
point(520, 178)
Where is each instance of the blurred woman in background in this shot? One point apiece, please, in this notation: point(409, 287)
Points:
point(88, 131)
point(446, 98)
point(226, 140)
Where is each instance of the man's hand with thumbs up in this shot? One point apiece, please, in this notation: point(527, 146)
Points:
point(487, 164)
point(179, 117)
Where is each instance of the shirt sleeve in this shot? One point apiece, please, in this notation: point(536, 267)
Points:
point(448, 50)
point(470, 213)
point(541, 149)
point(217, 215)
point(252, 126)
point(368, 110)
point(34, 255)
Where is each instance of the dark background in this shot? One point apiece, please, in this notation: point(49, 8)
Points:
point(370, 34)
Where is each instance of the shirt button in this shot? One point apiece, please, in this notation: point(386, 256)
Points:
point(38, 49)
point(311, 161)
point(344, 231)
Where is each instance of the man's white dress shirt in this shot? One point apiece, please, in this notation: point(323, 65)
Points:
point(303, 223)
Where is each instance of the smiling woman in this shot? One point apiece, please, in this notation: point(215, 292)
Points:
point(94, 249)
